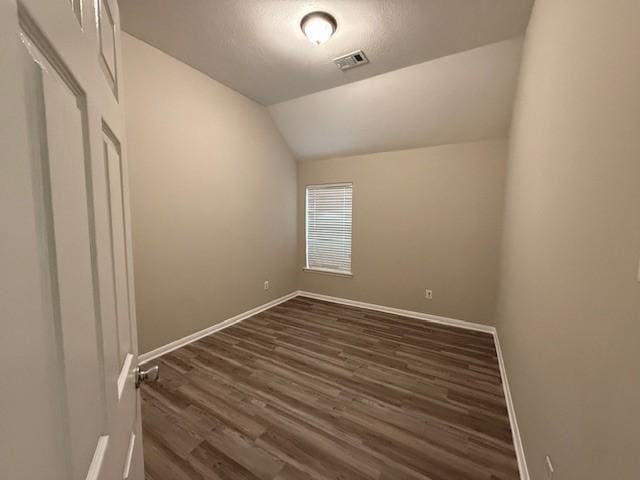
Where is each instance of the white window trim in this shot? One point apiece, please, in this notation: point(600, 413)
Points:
point(325, 271)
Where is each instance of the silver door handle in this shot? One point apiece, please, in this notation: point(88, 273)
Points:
point(149, 375)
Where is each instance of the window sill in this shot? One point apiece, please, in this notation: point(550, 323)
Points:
point(333, 273)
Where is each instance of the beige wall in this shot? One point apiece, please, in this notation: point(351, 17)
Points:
point(422, 218)
point(569, 308)
point(212, 198)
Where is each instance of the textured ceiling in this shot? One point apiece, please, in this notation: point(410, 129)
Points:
point(256, 46)
point(462, 97)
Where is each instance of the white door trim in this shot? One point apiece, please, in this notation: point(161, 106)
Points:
point(127, 463)
point(124, 373)
point(98, 457)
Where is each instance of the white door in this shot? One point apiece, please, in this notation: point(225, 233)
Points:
point(69, 409)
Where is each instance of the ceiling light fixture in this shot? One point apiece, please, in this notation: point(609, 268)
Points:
point(318, 26)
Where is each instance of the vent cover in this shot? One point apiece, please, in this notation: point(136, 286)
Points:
point(351, 60)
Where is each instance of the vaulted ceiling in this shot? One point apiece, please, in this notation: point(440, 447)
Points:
point(463, 97)
point(257, 48)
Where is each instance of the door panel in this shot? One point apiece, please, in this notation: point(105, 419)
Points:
point(113, 169)
point(107, 44)
point(58, 118)
point(65, 200)
point(76, 6)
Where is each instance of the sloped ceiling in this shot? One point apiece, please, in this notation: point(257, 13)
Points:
point(256, 46)
point(463, 97)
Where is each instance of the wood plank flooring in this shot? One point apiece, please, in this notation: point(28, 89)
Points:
point(316, 390)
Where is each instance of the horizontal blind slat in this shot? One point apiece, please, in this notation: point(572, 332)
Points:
point(328, 226)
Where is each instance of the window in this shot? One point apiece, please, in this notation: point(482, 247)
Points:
point(328, 228)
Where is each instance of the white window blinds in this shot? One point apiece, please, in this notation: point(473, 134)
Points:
point(328, 227)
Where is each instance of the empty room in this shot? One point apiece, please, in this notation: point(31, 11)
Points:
point(320, 240)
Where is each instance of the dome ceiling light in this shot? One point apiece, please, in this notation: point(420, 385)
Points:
point(318, 26)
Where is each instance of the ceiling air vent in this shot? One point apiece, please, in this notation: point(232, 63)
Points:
point(351, 60)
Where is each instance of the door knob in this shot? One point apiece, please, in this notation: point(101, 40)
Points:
point(151, 374)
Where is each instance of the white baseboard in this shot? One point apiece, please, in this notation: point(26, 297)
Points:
point(405, 313)
point(517, 441)
point(181, 342)
point(515, 431)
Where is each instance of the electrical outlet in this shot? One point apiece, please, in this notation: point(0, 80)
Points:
point(428, 294)
point(549, 467)
point(266, 284)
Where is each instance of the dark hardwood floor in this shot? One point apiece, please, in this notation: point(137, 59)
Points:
point(316, 390)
